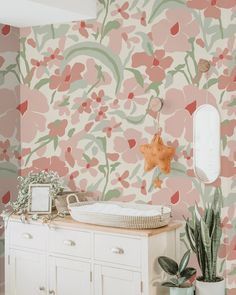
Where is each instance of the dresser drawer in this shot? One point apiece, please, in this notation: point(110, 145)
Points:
point(118, 249)
point(70, 242)
point(28, 236)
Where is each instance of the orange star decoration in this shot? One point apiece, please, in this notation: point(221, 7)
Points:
point(157, 182)
point(157, 154)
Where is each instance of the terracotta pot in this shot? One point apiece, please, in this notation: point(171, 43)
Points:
point(182, 291)
point(206, 288)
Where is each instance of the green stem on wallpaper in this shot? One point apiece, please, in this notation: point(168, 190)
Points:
point(53, 96)
point(107, 172)
point(53, 31)
point(221, 97)
point(104, 20)
point(93, 86)
point(203, 31)
point(23, 40)
point(18, 64)
point(221, 29)
point(187, 65)
point(36, 149)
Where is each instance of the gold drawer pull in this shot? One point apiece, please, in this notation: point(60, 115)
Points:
point(69, 243)
point(117, 250)
point(27, 236)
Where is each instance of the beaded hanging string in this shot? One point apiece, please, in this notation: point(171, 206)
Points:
point(157, 127)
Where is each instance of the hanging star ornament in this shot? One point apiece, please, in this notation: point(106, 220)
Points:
point(157, 154)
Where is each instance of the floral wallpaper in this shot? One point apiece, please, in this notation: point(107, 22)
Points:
point(88, 100)
point(9, 123)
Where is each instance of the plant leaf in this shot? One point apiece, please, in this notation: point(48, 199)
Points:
point(184, 261)
point(168, 284)
point(188, 272)
point(138, 76)
point(111, 25)
point(168, 265)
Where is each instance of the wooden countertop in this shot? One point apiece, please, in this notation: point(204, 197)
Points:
point(69, 222)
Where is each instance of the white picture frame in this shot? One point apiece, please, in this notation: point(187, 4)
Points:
point(40, 199)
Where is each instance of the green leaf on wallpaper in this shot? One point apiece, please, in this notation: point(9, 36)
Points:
point(43, 138)
point(71, 132)
point(41, 83)
point(180, 67)
point(94, 150)
point(86, 157)
point(154, 86)
point(114, 166)
point(74, 38)
point(111, 25)
point(10, 67)
point(135, 171)
point(146, 43)
point(2, 78)
point(55, 143)
point(210, 83)
point(8, 169)
point(102, 169)
point(177, 168)
point(102, 2)
point(101, 125)
point(137, 75)
point(169, 80)
point(111, 194)
point(100, 52)
point(103, 142)
point(232, 272)
point(232, 103)
point(224, 142)
point(80, 84)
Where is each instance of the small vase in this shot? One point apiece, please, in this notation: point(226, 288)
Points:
point(182, 291)
point(206, 288)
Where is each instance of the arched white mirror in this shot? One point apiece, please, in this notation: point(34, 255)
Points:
point(206, 143)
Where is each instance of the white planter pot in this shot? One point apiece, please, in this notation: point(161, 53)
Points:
point(182, 291)
point(205, 288)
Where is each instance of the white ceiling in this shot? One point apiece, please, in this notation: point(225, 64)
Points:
point(25, 13)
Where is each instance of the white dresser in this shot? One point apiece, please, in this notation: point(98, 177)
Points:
point(71, 258)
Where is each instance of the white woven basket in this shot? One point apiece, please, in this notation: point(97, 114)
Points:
point(162, 217)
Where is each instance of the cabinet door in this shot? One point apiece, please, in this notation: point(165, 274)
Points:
point(27, 273)
point(69, 277)
point(115, 281)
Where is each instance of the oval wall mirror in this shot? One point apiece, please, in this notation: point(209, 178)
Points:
point(206, 143)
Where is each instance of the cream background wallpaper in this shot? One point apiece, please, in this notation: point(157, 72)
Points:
point(87, 100)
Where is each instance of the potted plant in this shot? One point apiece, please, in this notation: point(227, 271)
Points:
point(179, 282)
point(204, 232)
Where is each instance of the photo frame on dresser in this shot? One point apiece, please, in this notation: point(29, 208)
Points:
point(40, 199)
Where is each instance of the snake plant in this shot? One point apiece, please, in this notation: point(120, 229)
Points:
point(181, 273)
point(204, 234)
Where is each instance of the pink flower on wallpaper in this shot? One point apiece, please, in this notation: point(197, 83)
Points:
point(9, 115)
point(39, 66)
point(230, 106)
point(89, 166)
point(180, 105)
point(9, 39)
point(228, 249)
point(155, 65)
point(121, 179)
point(71, 182)
point(179, 193)
point(101, 114)
point(221, 57)
point(70, 151)
point(57, 128)
point(212, 8)
point(81, 105)
point(54, 57)
point(141, 186)
point(5, 151)
point(129, 145)
point(53, 163)
point(113, 126)
point(132, 94)
point(121, 10)
point(228, 168)
point(98, 98)
point(62, 81)
point(228, 81)
point(142, 17)
point(232, 150)
point(174, 31)
point(227, 127)
point(82, 27)
point(122, 35)
point(32, 108)
point(91, 74)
